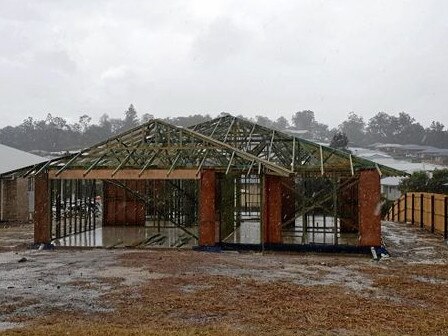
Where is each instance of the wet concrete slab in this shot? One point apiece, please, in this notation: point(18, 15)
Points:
point(130, 236)
point(248, 232)
point(322, 232)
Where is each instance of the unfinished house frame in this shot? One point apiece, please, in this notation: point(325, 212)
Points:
point(227, 182)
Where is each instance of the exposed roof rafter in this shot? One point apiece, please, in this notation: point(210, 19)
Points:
point(285, 150)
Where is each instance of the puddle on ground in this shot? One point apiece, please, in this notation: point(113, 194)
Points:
point(248, 232)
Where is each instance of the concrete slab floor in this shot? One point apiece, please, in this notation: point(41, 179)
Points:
point(122, 236)
point(166, 235)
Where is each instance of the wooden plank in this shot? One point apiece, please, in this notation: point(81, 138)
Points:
point(127, 174)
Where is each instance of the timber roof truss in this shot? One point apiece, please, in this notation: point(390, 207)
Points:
point(225, 143)
point(160, 145)
point(285, 150)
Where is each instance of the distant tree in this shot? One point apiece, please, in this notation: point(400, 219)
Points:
point(407, 130)
point(416, 182)
point(436, 135)
point(130, 119)
point(146, 117)
point(264, 121)
point(402, 129)
point(54, 133)
point(28, 124)
point(304, 120)
point(380, 128)
point(422, 182)
point(117, 125)
point(282, 123)
point(188, 121)
point(438, 183)
point(97, 133)
point(84, 121)
point(339, 141)
point(105, 123)
point(321, 132)
point(436, 126)
point(354, 128)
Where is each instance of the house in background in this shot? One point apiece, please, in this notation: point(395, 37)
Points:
point(389, 185)
point(436, 155)
point(16, 194)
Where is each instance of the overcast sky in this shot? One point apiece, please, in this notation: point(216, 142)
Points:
point(270, 58)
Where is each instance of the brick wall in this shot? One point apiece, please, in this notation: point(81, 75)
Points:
point(15, 200)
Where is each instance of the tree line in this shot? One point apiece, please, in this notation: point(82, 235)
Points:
point(422, 181)
point(55, 133)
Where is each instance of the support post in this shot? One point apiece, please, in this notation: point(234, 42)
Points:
point(421, 210)
point(207, 200)
point(445, 231)
point(413, 209)
point(42, 216)
point(405, 208)
point(369, 194)
point(272, 209)
point(432, 214)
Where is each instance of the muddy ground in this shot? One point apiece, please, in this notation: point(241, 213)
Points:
point(182, 292)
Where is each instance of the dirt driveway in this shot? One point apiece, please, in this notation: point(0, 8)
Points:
point(182, 292)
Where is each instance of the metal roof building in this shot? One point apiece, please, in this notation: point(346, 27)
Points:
point(16, 195)
point(13, 159)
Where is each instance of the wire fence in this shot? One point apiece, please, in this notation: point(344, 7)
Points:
point(429, 211)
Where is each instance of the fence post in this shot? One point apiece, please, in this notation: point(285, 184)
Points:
point(445, 233)
point(432, 214)
point(413, 209)
point(399, 210)
point(421, 210)
point(405, 207)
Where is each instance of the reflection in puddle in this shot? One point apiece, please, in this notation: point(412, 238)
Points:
point(322, 232)
point(121, 236)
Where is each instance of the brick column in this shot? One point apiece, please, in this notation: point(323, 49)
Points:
point(272, 209)
point(207, 196)
point(369, 213)
point(42, 204)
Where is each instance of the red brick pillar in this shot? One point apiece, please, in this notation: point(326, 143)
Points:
point(42, 204)
point(369, 213)
point(207, 195)
point(272, 209)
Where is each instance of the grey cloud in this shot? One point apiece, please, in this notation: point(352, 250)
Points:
point(219, 41)
point(251, 57)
